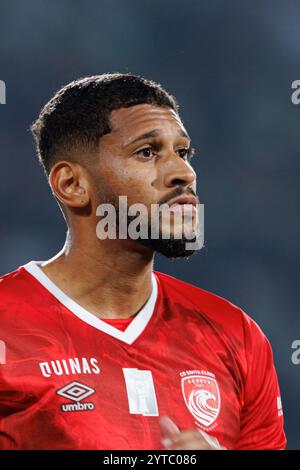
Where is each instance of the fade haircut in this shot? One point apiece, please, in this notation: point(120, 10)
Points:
point(71, 124)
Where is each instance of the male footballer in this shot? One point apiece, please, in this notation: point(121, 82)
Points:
point(99, 350)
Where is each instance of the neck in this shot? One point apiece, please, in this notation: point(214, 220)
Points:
point(109, 278)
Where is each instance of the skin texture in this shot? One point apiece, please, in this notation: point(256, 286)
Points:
point(112, 278)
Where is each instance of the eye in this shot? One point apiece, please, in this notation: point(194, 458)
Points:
point(146, 152)
point(186, 153)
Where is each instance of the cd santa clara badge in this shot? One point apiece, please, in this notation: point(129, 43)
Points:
point(202, 397)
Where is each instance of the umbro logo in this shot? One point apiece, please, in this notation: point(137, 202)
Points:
point(76, 392)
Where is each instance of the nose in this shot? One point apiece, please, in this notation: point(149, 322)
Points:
point(178, 173)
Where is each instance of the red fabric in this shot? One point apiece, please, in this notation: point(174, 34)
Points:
point(119, 323)
point(204, 353)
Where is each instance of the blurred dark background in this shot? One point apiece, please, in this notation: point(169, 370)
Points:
point(230, 64)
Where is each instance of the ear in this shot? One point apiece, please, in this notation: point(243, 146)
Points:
point(69, 183)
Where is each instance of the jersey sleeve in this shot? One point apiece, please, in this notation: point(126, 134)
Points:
point(261, 416)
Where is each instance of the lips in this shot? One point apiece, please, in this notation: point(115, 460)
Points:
point(183, 201)
point(184, 208)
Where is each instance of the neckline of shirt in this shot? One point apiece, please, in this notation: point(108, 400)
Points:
point(129, 335)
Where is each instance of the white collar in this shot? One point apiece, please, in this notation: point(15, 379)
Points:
point(134, 329)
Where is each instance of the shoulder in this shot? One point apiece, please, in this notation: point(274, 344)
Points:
point(15, 287)
point(218, 310)
point(9, 282)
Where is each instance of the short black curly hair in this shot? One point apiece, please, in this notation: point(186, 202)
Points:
point(77, 116)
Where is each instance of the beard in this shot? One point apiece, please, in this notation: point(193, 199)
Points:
point(170, 247)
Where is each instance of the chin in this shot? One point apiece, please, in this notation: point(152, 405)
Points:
point(171, 247)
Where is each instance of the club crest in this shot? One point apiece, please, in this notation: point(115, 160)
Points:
point(202, 397)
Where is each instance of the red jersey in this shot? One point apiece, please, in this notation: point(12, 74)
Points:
point(69, 380)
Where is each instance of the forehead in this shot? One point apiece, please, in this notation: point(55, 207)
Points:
point(128, 122)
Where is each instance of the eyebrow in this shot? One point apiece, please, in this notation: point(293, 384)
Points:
point(155, 133)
